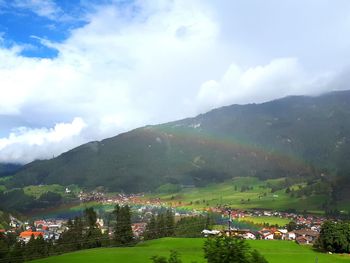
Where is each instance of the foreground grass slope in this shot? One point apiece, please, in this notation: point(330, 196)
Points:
point(191, 250)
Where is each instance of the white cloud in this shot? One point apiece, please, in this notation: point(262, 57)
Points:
point(279, 78)
point(44, 8)
point(24, 144)
point(138, 64)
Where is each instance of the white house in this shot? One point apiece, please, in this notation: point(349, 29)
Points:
point(249, 235)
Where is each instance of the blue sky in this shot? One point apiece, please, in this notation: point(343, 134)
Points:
point(74, 71)
point(24, 23)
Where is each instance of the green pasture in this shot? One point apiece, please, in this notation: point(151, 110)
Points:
point(38, 190)
point(271, 220)
point(229, 193)
point(191, 250)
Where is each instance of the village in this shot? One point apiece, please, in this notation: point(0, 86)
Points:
point(303, 229)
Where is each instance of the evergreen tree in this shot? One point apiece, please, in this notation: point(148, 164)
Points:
point(92, 236)
point(169, 223)
point(17, 252)
point(4, 249)
point(161, 227)
point(151, 229)
point(72, 238)
point(192, 226)
point(123, 234)
point(31, 250)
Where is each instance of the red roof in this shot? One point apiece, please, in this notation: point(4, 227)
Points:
point(26, 234)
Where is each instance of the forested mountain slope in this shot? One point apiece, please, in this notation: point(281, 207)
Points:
point(296, 136)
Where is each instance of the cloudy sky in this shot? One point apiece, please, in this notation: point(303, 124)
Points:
point(74, 71)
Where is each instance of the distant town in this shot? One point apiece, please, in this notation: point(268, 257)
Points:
point(304, 229)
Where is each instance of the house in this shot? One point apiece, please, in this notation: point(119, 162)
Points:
point(39, 223)
point(302, 240)
point(243, 233)
point(277, 234)
point(308, 234)
point(249, 235)
point(266, 234)
point(26, 235)
point(290, 236)
point(207, 233)
point(138, 229)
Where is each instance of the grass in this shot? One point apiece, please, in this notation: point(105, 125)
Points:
point(38, 190)
point(191, 250)
point(229, 193)
point(271, 220)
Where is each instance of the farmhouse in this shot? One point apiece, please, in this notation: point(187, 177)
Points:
point(26, 235)
point(306, 236)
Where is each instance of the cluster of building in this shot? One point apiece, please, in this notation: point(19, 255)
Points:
point(48, 229)
point(301, 236)
point(306, 227)
point(51, 229)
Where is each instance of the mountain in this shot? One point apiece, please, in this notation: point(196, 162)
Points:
point(7, 169)
point(296, 136)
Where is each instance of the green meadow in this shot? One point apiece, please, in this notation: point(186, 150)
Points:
point(38, 190)
point(271, 220)
point(191, 250)
point(230, 193)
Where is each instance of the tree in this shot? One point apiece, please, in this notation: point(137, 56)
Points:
point(72, 238)
point(257, 257)
point(169, 223)
point(334, 237)
point(4, 249)
point(173, 258)
point(92, 237)
point(230, 250)
point(123, 234)
point(161, 227)
point(151, 229)
point(17, 252)
point(291, 226)
point(192, 226)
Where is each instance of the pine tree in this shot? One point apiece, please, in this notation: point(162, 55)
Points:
point(92, 236)
point(123, 234)
point(169, 223)
point(4, 250)
point(17, 252)
point(161, 227)
point(151, 229)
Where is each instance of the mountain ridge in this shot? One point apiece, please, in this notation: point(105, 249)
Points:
point(296, 136)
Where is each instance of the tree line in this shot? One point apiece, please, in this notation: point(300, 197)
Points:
point(334, 237)
point(164, 225)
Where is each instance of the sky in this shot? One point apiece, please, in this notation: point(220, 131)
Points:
point(74, 71)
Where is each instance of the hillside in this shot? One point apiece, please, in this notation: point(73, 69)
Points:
point(7, 169)
point(291, 137)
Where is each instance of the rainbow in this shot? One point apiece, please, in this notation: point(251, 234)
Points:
point(227, 144)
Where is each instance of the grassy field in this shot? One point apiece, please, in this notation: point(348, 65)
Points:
point(229, 193)
point(271, 220)
point(38, 190)
point(191, 250)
